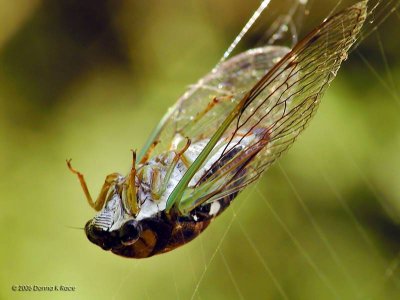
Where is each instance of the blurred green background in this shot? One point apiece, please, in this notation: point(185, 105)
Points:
point(90, 79)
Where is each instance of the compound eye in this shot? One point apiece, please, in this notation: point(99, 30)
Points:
point(129, 233)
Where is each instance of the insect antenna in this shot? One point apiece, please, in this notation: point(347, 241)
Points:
point(74, 227)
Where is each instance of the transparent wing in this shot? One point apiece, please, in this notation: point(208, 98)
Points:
point(206, 104)
point(227, 81)
point(276, 110)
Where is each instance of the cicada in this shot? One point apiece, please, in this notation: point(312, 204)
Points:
point(218, 138)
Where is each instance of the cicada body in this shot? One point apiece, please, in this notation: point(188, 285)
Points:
point(219, 137)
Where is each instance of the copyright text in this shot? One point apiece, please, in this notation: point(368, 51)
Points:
point(42, 288)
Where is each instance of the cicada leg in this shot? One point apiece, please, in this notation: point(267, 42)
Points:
point(131, 190)
point(155, 184)
point(214, 102)
point(101, 199)
point(178, 156)
point(148, 152)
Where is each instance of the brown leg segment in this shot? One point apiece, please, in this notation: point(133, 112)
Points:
point(101, 199)
point(178, 155)
point(215, 101)
point(148, 153)
point(131, 194)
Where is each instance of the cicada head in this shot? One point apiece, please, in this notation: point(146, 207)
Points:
point(113, 227)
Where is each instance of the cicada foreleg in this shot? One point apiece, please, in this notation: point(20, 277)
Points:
point(101, 199)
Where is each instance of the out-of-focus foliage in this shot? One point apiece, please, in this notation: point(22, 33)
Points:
point(90, 79)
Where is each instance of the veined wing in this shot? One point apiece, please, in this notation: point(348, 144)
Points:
point(207, 103)
point(273, 113)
